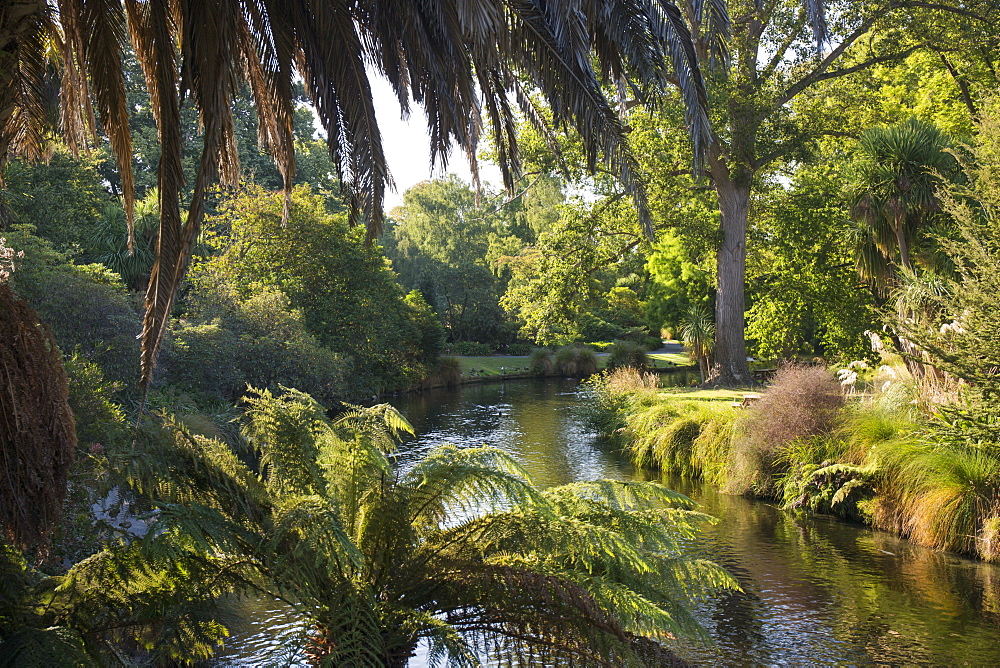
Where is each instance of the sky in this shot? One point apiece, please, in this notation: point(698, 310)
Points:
point(407, 146)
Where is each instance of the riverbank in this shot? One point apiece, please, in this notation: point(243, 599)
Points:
point(872, 458)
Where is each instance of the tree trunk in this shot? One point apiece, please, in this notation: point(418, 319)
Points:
point(730, 366)
point(904, 246)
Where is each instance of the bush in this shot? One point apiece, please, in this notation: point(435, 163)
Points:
point(575, 362)
point(593, 328)
point(260, 341)
point(471, 349)
point(802, 402)
point(87, 307)
point(627, 354)
point(541, 363)
point(518, 349)
point(347, 296)
point(99, 420)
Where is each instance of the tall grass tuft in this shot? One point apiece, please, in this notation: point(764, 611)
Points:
point(688, 438)
point(942, 495)
point(863, 429)
point(449, 370)
point(541, 363)
point(575, 362)
point(612, 395)
point(623, 354)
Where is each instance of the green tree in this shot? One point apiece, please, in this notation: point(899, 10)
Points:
point(455, 548)
point(772, 65)
point(806, 296)
point(62, 198)
point(348, 298)
point(440, 240)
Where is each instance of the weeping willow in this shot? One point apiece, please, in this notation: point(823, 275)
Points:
point(457, 549)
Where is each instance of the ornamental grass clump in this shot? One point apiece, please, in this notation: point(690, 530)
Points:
point(802, 402)
point(624, 354)
point(610, 397)
point(449, 371)
point(541, 363)
point(575, 362)
point(941, 494)
point(690, 438)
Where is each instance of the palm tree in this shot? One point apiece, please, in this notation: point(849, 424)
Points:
point(698, 333)
point(894, 195)
point(456, 548)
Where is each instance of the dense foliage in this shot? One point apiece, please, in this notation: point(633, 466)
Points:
point(297, 295)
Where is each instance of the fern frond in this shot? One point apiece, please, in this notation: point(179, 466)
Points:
point(307, 529)
point(452, 482)
point(286, 431)
point(382, 423)
point(43, 648)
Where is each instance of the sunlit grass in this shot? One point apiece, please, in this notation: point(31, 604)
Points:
point(496, 365)
point(704, 395)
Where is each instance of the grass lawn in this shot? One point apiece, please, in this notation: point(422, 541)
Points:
point(704, 395)
point(496, 365)
point(493, 365)
point(670, 359)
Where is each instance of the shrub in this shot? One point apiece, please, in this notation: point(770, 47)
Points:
point(518, 349)
point(471, 349)
point(593, 328)
point(347, 296)
point(259, 340)
point(541, 363)
point(575, 362)
point(627, 354)
point(98, 418)
point(802, 402)
point(87, 307)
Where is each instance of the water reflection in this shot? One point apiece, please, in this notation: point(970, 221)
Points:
point(533, 420)
point(816, 590)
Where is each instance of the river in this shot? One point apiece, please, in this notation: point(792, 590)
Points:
point(815, 590)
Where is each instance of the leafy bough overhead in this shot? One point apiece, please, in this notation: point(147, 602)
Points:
point(468, 63)
point(457, 548)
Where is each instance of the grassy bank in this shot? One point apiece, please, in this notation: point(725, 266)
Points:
point(871, 457)
point(499, 365)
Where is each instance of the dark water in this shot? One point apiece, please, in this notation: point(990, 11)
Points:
point(816, 590)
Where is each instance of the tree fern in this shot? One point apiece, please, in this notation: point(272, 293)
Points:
point(459, 549)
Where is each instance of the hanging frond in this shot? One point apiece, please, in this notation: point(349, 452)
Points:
point(37, 430)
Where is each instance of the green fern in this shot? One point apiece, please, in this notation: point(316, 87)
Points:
point(459, 549)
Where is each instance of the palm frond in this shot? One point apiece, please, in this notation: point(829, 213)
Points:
point(102, 35)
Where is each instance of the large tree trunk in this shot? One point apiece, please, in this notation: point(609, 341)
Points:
point(730, 366)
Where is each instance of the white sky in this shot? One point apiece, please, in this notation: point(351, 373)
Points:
point(407, 146)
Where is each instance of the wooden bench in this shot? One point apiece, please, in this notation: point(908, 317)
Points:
point(748, 399)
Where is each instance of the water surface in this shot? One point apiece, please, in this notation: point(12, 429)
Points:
point(816, 590)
